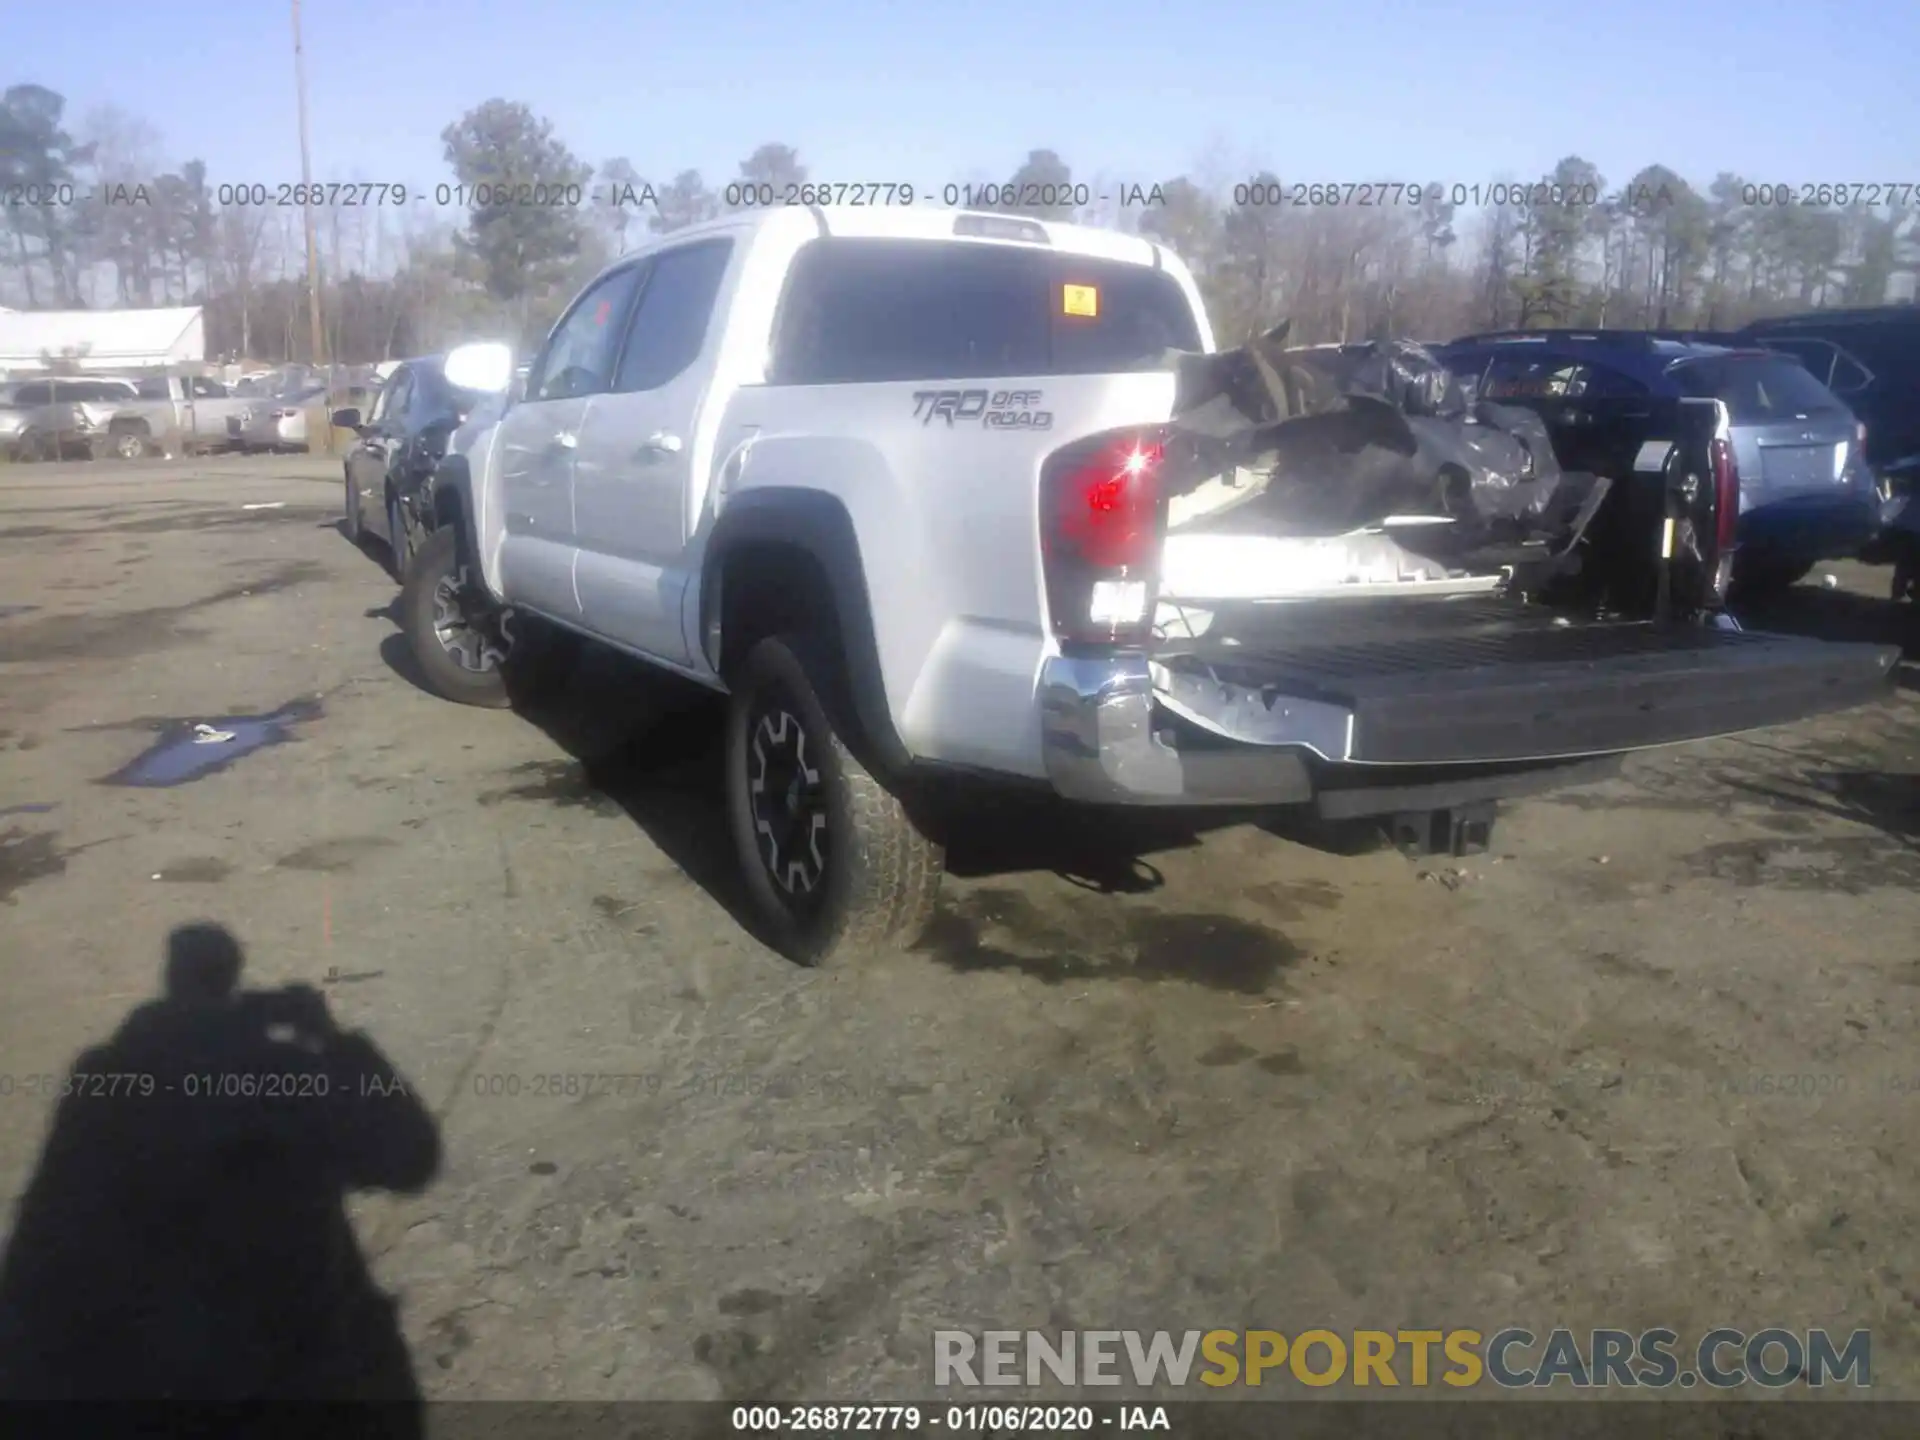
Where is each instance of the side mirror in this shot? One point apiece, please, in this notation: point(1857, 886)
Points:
point(486, 365)
point(346, 419)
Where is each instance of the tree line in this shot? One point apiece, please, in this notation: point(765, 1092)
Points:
point(96, 217)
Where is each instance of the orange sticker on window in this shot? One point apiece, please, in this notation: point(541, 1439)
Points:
point(1080, 300)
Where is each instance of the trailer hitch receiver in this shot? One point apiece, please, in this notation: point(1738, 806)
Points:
point(1455, 830)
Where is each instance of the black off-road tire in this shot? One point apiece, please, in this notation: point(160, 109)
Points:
point(350, 526)
point(436, 565)
point(867, 876)
point(535, 659)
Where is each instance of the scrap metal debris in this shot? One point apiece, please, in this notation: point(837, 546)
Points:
point(1353, 436)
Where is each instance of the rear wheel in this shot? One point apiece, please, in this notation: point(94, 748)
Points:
point(833, 862)
point(128, 442)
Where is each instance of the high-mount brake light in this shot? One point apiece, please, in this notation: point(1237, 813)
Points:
point(1102, 521)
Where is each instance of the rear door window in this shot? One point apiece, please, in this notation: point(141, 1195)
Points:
point(1816, 355)
point(860, 311)
point(153, 389)
point(38, 393)
point(1554, 377)
point(1756, 389)
point(669, 325)
point(1849, 376)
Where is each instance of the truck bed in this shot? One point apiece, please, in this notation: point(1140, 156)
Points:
point(1397, 681)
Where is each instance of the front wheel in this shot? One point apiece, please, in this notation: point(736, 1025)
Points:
point(458, 636)
point(833, 862)
point(469, 649)
point(351, 523)
point(128, 443)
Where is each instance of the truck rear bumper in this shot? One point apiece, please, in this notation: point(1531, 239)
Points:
point(1282, 717)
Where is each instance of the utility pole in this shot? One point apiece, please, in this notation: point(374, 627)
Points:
point(313, 243)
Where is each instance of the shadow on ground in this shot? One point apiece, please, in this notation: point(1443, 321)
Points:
point(654, 747)
point(185, 1235)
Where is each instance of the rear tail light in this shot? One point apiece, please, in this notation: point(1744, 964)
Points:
point(1726, 512)
point(1102, 519)
point(1726, 495)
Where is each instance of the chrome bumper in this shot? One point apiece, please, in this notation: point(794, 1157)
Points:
point(1097, 719)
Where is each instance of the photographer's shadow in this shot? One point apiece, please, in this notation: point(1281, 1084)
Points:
point(186, 1234)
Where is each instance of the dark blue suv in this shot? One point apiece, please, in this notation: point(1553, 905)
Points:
point(1806, 492)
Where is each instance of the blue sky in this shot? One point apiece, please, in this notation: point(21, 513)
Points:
point(1779, 90)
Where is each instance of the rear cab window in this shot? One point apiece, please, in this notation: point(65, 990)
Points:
point(858, 310)
point(1756, 389)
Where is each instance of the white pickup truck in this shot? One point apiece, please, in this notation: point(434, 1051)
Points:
point(898, 483)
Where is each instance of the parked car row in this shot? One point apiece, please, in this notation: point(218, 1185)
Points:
point(127, 417)
point(1807, 492)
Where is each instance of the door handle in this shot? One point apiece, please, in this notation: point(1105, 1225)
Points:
point(565, 439)
point(661, 443)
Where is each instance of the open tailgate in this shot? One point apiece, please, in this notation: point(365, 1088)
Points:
point(1409, 682)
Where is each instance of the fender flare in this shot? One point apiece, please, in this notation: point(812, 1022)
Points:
point(818, 525)
point(451, 487)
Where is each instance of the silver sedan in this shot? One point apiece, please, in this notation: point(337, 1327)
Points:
point(284, 421)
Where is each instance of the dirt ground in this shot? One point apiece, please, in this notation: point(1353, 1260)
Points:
point(1649, 1062)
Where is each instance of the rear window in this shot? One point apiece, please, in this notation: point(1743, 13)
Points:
point(1756, 388)
point(859, 311)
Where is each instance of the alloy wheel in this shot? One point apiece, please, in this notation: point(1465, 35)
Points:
point(788, 802)
point(477, 641)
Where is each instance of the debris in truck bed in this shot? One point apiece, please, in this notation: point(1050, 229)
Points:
point(1343, 437)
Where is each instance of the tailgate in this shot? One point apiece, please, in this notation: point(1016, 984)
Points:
point(1480, 681)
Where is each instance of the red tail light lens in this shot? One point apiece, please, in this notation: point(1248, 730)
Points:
point(1102, 517)
point(1726, 496)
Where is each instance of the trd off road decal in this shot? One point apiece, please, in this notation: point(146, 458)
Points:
point(990, 409)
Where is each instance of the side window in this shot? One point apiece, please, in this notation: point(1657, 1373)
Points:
point(382, 399)
point(153, 388)
point(670, 323)
point(1527, 377)
point(1850, 377)
point(397, 396)
point(1601, 382)
point(203, 389)
point(578, 359)
point(1816, 355)
point(38, 393)
point(101, 392)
